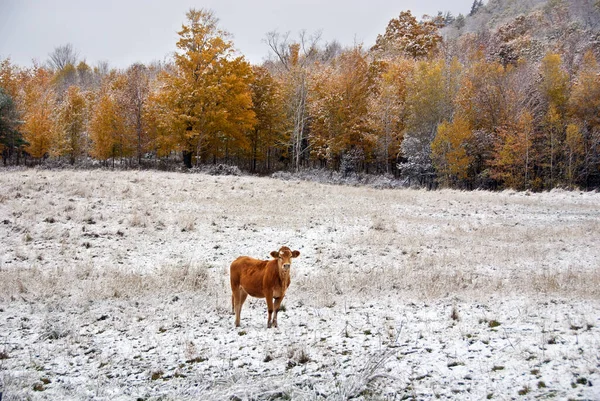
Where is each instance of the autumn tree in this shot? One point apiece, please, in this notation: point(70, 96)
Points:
point(71, 123)
point(11, 78)
point(387, 107)
point(106, 128)
point(340, 130)
point(584, 108)
point(574, 152)
point(294, 66)
point(490, 98)
point(408, 37)
point(159, 119)
point(430, 101)
point(267, 104)
point(554, 87)
point(512, 164)
point(483, 98)
point(210, 103)
point(133, 95)
point(111, 130)
point(449, 151)
point(38, 104)
point(85, 76)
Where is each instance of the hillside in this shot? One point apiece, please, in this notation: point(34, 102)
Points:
point(528, 29)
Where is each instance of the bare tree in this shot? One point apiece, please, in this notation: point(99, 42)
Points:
point(296, 58)
point(136, 94)
point(63, 56)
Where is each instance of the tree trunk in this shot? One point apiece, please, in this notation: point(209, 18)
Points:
point(187, 159)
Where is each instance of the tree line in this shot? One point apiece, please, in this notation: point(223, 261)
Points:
point(424, 109)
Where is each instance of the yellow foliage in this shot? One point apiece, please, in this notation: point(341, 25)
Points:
point(483, 96)
point(575, 148)
point(268, 107)
point(70, 125)
point(339, 107)
point(387, 106)
point(206, 102)
point(511, 164)
point(37, 102)
point(555, 81)
point(449, 150)
point(584, 103)
point(105, 128)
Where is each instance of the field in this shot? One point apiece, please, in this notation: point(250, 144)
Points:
point(114, 285)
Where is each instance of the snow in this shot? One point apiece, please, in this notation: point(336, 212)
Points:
point(114, 285)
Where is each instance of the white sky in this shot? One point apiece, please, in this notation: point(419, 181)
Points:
point(123, 32)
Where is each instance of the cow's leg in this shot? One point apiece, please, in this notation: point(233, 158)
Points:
point(269, 297)
point(277, 305)
point(235, 301)
point(241, 298)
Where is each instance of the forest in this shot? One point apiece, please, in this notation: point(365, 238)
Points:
point(507, 96)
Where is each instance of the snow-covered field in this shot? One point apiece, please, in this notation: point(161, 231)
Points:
point(114, 285)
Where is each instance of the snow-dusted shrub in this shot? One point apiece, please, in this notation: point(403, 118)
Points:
point(218, 169)
point(324, 176)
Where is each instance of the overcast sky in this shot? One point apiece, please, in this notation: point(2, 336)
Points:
point(123, 32)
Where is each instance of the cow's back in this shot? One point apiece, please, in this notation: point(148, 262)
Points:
point(248, 273)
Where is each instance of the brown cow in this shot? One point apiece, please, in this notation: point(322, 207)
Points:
point(261, 279)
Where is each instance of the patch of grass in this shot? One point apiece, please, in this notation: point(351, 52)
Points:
point(497, 368)
point(524, 391)
point(197, 359)
point(493, 323)
point(455, 363)
point(303, 357)
point(541, 384)
point(242, 333)
point(157, 374)
point(535, 372)
point(454, 314)
point(297, 356)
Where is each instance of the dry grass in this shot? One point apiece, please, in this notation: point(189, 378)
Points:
point(116, 285)
point(117, 234)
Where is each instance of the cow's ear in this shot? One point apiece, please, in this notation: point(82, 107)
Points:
point(275, 254)
point(295, 254)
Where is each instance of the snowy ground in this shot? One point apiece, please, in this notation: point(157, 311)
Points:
point(114, 285)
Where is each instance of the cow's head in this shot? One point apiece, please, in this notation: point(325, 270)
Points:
point(284, 257)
